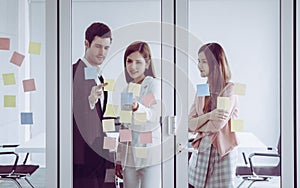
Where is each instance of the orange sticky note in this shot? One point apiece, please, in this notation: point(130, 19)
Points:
point(141, 152)
point(223, 103)
point(29, 85)
point(125, 135)
point(9, 101)
point(237, 125)
point(9, 79)
point(110, 86)
point(108, 125)
point(140, 118)
point(109, 143)
point(239, 89)
point(125, 116)
point(4, 43)
point(111, 110)
point(134, 88)
point(149, 99)
point(34, 48)
point(146, 137)
point(17, 59)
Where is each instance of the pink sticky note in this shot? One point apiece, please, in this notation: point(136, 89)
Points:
point(146, 137)
point(125, 135)
point(4, 43)
point(149, 99)
point(17, 59)
point(28, 85)
point(109, 143)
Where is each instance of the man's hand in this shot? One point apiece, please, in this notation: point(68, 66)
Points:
point(96, 93)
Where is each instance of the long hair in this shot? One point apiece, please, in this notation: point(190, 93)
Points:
point(219, 73)
point(144, 49)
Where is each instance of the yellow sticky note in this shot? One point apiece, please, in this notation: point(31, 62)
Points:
point(110, 86)
point(140, 118)
point(141, 152)
point(34, 48)
point(134, 88)
point(239, 89)
point(9, 79)
point(9, 101)
point(237, 125)
point(108, 125)
point(125, 116)
point(223, 103)
point(111, 110)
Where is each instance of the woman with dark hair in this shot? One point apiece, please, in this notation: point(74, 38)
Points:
point(138, 160)
point(213, 165)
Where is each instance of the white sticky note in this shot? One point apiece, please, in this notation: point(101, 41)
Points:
point(134, 88)
point(141, 152)
point(140, 118)
point(111, 110)
point(237, 125)
point(125, 116)
point(110, 85)
point(108, 125)
point(239, 89)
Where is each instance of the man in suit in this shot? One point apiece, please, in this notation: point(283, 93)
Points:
point(89, 102)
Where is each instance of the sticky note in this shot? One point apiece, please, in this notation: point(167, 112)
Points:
point(17, 59)
point(111, 110)
point(134, 88)
point(239, 89)
point(125, 135)
point(237, 125)
point(90, 73)
point(110, 86)
point(126, 99)
point(146, 137)
point(149, 99)
point(141, 152)
point(109, 143)
point(203, 90)
point(4, 43)
point(34, 48)
point(140, 118)
point(125, 116)
point(223, 103)
point(9, 79)
point(29, 85)
point(108, 125)
point(9, 101)
point(26, 118)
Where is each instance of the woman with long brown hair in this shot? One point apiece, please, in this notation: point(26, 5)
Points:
point(213, 165)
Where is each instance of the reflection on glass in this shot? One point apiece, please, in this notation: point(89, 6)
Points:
point(251, 43)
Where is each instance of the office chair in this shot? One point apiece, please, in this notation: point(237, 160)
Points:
point(16, 171)
point(259, 173)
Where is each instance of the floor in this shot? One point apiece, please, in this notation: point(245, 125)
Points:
point(38, 180)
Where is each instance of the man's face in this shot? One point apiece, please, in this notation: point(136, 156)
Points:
point(96, 51)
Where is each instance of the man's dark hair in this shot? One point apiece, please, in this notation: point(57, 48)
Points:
point(97, 29)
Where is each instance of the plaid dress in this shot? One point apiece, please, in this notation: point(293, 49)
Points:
point(207, 169)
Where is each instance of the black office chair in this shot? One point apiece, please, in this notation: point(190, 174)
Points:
point(16, 171)
point(256, 173)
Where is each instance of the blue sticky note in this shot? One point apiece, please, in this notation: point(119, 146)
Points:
point(26, 118)
point(126, 99)
point(203, 90)
point(90, 73)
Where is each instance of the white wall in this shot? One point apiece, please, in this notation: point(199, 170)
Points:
point(249, 33)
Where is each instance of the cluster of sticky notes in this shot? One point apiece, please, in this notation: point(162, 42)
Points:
point(10, 78)
point(203, 90)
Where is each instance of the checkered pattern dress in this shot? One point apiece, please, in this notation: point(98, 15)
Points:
point(207, 169)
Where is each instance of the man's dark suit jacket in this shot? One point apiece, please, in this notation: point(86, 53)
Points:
point(88, 152)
